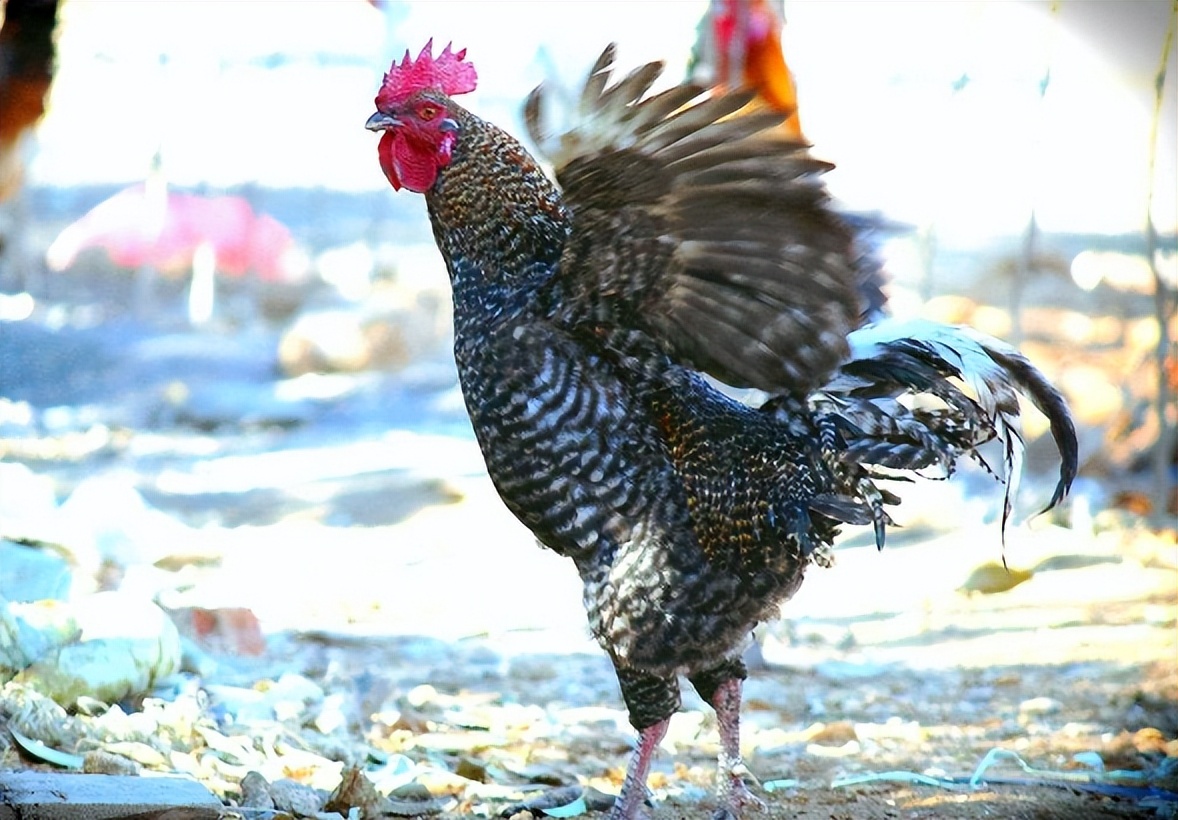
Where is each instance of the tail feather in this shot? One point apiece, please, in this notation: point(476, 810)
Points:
point(1051, 404)
point(891, 359)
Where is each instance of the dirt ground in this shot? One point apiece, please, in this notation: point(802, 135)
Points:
point(880, 665)
point(436, 637)
point(948, 735)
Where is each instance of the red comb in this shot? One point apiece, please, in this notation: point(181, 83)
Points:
point(448, 72)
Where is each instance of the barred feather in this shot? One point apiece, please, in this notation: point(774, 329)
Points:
point(756, 280)
point(889, 359)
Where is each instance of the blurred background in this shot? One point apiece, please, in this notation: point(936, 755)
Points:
point(1014, 149)
point(224, 338)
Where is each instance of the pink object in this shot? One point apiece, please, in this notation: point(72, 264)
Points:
point(148, 226)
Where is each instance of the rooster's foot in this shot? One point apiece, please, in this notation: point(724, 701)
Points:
point(734, 796)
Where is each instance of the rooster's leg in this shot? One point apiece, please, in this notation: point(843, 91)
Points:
point(721, 687)
point(651, 700)
point(732, 792)
point(630, 803)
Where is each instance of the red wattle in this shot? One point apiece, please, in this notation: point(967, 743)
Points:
point(387, 164)
point(410, 163)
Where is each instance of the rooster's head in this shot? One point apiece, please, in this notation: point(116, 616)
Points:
point(413, 109)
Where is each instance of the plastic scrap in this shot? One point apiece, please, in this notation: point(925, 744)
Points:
point(1096, 781)
point(47, 754)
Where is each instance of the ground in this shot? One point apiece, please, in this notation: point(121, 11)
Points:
point(448, 647)
point(863, 677)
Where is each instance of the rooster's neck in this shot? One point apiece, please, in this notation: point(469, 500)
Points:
point(498, 220)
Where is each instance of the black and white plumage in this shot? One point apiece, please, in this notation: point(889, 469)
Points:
point(685, 237)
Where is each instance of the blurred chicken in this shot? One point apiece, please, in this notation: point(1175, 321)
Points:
point(26, 70)
point(27, 62)
point(739, 45)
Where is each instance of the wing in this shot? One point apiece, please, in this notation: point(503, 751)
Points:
point(704, 226)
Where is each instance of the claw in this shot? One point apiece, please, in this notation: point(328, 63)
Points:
point(734, 794)
point(738, 796)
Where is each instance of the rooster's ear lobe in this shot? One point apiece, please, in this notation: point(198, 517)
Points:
point(448, 124)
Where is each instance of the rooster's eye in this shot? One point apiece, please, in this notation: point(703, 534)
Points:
point(427, 112)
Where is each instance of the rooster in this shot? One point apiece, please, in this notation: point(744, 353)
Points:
point(681, 238)
point(740, 44)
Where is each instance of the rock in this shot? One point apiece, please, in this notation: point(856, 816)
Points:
point(323, 342)
point(124, 528)
point(835, 734)
point(125, 647)
point(101, 761)
point(1038, 706)
point(355, 790)
point(29, 631)
point(255, 792)
point(27, 502)
point(296, 798)
point(291, 695)
point(380, 336)
point(238, 404)
point(991, 578)
point(331, 715)
point(238, 704)
point(28, 573)
point(230, 630)
point(56, 796)
point(38, 717)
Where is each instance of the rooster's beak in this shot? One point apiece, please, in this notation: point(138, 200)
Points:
point(381, 122)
